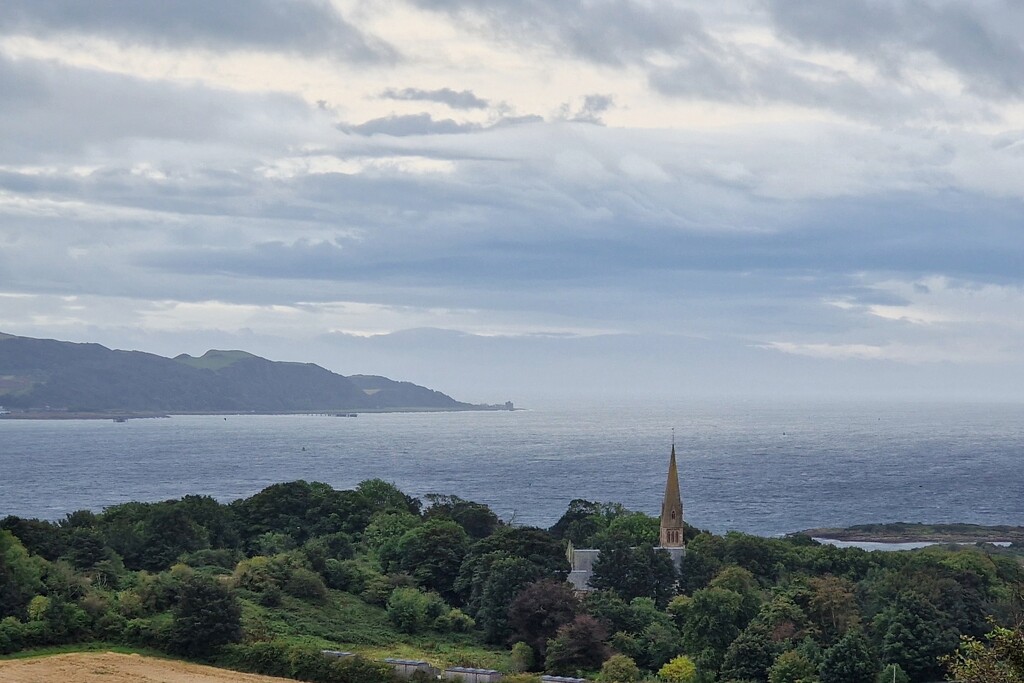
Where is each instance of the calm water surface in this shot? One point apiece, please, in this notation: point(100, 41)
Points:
point(757, 468)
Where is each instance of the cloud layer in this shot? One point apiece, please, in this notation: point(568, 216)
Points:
point(792, 189)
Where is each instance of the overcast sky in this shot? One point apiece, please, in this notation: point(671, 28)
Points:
point(527, 199)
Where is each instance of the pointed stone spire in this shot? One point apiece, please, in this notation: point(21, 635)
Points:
point(672, 507)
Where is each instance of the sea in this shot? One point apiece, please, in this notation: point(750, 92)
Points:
point(762, 468)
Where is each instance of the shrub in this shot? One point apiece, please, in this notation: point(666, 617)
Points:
point(267, 658)
point(206, 617)
point(411, 610)
point(318, 551)
point(378, 588)
point(258, 573)
point(304, 663)
point(12, 635)
point(305, 585)
point(110, 626)
point(224, 558)
point(129, 604)
point(579, 645)
point(619, 669)
point(455, 621)
point(791, 667)
point(521, 677)
point(522, 657)
point(146, 633)
point(679, 669)
point(270, 597)
point(346, 575)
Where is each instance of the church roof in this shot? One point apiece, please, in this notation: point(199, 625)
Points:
point(672, 505)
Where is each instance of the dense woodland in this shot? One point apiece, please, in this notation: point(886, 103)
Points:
point(263, 583)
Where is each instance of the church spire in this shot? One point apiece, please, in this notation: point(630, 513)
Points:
point(672, 506)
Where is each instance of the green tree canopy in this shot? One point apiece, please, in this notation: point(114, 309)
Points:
point(850, 660)
point(635, 571)
point(20, 576)
point(539, 611)
point(433, 553)
point(619, 669)
point(205, 617)
point(578, 646)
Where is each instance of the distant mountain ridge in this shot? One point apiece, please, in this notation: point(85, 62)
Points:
point(45, 374)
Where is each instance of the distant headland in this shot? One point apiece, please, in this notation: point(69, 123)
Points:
point(50, 379)
point(909, 532)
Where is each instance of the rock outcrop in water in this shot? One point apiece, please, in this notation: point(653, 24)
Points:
point(44, 374)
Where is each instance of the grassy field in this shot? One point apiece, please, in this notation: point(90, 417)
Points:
point(345, 622)
point(117, 667)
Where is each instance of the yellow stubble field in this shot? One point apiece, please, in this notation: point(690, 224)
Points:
point(109, 667)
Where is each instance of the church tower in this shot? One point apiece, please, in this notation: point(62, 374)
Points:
point(672, 508)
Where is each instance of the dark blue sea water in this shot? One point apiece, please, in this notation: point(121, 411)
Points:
point(766, 469)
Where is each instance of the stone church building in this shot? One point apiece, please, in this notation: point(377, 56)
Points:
point(672, 541)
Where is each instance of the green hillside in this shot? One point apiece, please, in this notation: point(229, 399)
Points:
point(57, 376)
point(213, 359)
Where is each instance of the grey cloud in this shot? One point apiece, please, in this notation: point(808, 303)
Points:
point(301, 26)
point(409, 124)
point(982, 41)
point(56, 111)
point(730, 75)
point(688, 52)
point(462, 99)
point(519, 120)
point(615, 32)
point(592, 108)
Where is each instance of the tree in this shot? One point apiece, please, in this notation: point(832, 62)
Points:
point(302, 510)
point(680, 669)
point(205, 617)
point(741, 581)
point(792, 667)
point(579, 523)
point(614, 613)
point(506, 578)
point(539, 611)
point(578, 646)
point(383, 533)
point(833, 607)
point(619, 669)
point(1001, 660)
point(660, 641)
point(703, 559)
point(783, 619)
point(849, 661)
point(521, 658)
point(755, 554)
point(709, 622)
point(336, 546)
point(536, 546)
point(914, 634)
point(635, 528)
point(893, 674)
point(382, 495)
point(412, 611)
point(749, 656)
point(477, 519)
point(433, 553)
point(635, 572)
point(41, 538)
point(20, 577)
